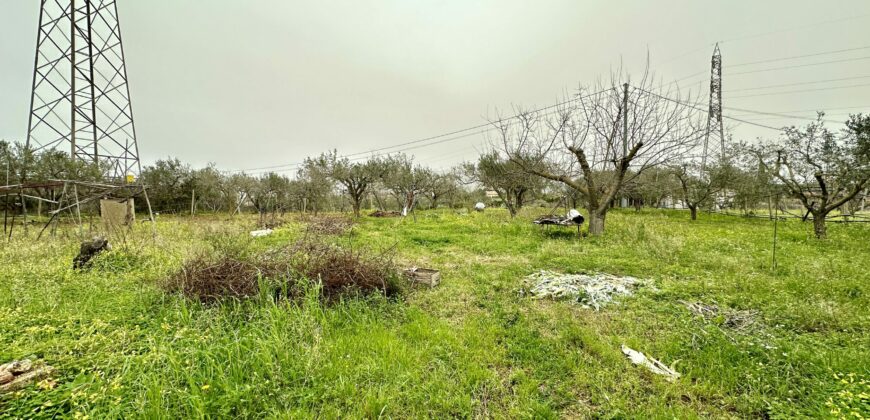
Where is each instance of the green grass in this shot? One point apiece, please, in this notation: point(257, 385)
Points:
point(468, 348)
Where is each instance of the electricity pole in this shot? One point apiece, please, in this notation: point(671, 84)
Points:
point(624, 200)
point(80, 99)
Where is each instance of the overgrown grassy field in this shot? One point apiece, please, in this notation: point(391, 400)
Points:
point(472, 347)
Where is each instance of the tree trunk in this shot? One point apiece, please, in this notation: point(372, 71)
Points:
point(694, 211)
point(356, 206)
point(819, 227)
point(596, 223)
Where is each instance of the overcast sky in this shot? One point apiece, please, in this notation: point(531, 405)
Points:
point(255, 83)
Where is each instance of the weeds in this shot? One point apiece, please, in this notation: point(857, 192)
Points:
point(124, 348)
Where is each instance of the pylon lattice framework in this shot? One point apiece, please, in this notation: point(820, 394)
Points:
point(80, 100)
point(714, 114)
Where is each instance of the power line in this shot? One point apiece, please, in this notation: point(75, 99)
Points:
point(799, 83)
point(754, 112)
point(794, 28)
point(677, 101)
point(795, 57)
point(800, 65)
point(797, 91)
point(710, 44)
point(784, 67)
point(374, 152)
point(827, 108)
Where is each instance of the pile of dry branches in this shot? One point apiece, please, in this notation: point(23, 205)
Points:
point(338, 270)
point(343, 271)
point(210, 280)
point(329, 225)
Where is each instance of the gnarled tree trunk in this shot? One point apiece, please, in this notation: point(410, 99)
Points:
point(819, 227)
point(596, 222)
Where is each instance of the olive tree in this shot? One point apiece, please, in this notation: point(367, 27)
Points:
point(356, 178)
point(699, 187)
point(506, 178)
point(406, 180)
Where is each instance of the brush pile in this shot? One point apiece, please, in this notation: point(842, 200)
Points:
point(339, 271)
point(342, 271)
point(210, 280)
point(592, 291)
point(329, 225)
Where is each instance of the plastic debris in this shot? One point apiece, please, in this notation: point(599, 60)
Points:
point(259, 233)
point(653, 365)
point(595, 291)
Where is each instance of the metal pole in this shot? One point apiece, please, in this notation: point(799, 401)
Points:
point(624, 200)
point(150, 213)
point(72, 60)
point(6, 205)
point(775, 223)
point(127, 166)
point(35, 71)
point(91, 80)
point(78, 211)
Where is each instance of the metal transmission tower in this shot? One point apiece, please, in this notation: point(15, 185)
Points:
point(714, 114)
point(80, 100)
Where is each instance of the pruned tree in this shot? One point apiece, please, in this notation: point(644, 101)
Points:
point(821, 169)
point(699, 188)
point(652, 187)
point(314, 184)
point(441, 186)
point(406, 180)
point(206, 187)
point(602, 138)
point(356, 178)
point(506, 178)
point(169, 186)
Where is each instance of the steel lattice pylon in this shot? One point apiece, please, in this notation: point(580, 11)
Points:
point(714, 114)
point(80, 100)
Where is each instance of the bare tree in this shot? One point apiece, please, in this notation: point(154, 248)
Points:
point(603, 138)
point(821, 169)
